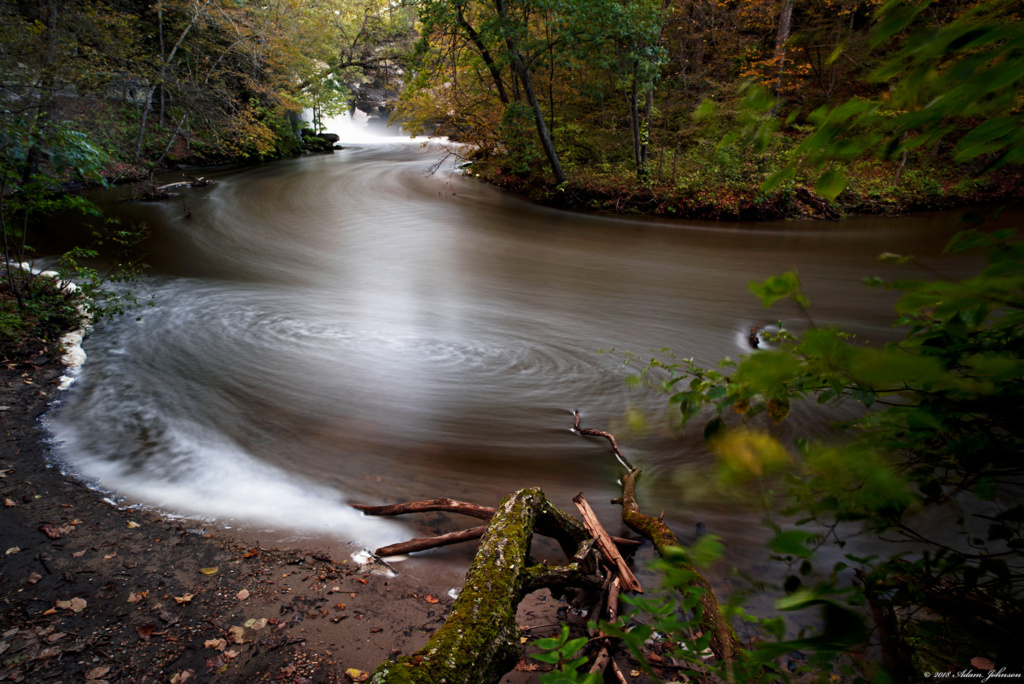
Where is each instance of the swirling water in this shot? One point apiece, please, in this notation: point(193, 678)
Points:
point(356, 328)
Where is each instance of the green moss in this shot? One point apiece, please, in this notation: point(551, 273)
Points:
point(479, 641)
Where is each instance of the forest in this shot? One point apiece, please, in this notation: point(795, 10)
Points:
point(742, 109)
point(693, 109)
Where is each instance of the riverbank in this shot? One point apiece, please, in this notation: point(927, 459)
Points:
point(870, 192)
point(96, 592)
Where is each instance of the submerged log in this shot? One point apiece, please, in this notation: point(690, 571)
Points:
point(479, 641)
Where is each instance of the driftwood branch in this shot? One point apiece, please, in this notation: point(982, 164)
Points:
point(448, 506)
point(600, 433)
point(424, 543)
point(610, 612)
point(724, 643)
point(604, 542)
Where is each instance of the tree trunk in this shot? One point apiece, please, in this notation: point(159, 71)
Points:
point(485, 54)
point(522, 69)
point(47, 83)
point(480, 641)
point(200, 9)
point(640, 120)
point(785, 25)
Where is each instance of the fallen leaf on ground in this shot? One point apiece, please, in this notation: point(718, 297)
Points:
point(209, 571)
point(215, 662)
point(55, 637)
point(136, 596)
point(983, 664)
point(11, 551)
point(9, 503)
point(218, 644)
point(97, 672)
point(110, 555)
point(254, 552)
point(356, 675)
point(145, 631)
point(430, 598)
point(254, 624)
point(182, 677)
point(50, 531)
point(187, 598)
point(78, 605)
point(242, 595)
point(230, 654)
point(237, 634)
point(34, 577)
point(78, 554)
point(132, 525)
point(51, 611)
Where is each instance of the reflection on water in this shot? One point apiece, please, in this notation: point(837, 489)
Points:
point(349, 328)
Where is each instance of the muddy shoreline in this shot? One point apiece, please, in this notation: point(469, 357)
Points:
point(93, 592)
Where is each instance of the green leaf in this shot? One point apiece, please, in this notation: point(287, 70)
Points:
point(777, 287)
point(706, 551)
point(830, 184)
point(571, 647)
point(792, 543)
point(546, 657)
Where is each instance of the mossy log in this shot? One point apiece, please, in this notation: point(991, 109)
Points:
point(724, 642)
point(479, 641)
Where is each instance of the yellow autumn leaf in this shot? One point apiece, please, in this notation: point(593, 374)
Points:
point(209, 571)
point(746, 453)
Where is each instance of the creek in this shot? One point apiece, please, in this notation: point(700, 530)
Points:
point(356, 328)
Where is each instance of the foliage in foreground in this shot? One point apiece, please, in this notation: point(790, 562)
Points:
point(939, 439)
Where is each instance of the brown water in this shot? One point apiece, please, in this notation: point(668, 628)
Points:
point(349, 328)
